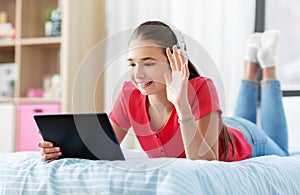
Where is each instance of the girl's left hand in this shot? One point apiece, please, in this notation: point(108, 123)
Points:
point(177, 80)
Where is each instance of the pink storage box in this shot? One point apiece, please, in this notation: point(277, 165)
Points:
point(32, 92)
point(28, 135)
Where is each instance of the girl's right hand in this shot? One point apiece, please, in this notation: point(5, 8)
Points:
point(177, 80)
point(48, 151)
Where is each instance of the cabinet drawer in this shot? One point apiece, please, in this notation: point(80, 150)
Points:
point(28, 135)
point(7, 128)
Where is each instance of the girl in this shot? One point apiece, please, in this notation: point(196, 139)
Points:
point(175, 112)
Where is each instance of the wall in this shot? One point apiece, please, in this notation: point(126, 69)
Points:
point(83, 29)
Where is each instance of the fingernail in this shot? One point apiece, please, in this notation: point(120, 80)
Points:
point(57, 149)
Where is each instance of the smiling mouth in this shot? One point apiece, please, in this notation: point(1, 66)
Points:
point(144, 84)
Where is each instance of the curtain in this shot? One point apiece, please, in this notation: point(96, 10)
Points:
point(217, 29)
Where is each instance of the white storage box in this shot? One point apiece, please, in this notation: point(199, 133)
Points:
point(7, 128)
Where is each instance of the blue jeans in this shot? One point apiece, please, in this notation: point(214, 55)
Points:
point(272, 137)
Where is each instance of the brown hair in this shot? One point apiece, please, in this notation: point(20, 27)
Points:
point(227, 139)
point(164, 36)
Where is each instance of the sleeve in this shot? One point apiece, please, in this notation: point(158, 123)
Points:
point(119, 113)
point(203, 97)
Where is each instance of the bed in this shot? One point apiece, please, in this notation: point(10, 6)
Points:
point(27, 173)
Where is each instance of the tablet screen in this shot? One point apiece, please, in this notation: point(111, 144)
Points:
point(88, 136)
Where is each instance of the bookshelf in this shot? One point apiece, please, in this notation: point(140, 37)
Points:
point(37, 56)
point(33, 54)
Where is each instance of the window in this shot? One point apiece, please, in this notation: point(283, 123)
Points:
point(285, 17)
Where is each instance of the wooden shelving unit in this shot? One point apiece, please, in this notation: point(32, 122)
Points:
point(37, 56)
point(34, 54)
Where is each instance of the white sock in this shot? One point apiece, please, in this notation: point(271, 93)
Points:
point(266, 54)
point(252, 47)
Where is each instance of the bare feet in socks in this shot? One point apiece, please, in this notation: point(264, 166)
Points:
point(267, 52)
point(261, 48)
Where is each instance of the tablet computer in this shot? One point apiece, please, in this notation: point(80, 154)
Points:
point(88, 136)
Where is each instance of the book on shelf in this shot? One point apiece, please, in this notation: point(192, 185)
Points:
point(7, 32)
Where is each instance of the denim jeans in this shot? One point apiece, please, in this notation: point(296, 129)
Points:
point(272, 137)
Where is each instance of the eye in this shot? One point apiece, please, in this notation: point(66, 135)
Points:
point(149, 63)
point(131, 64)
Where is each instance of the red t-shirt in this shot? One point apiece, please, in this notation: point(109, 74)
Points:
point(130, 110)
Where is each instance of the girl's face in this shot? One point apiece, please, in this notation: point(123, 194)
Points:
point(147, 64)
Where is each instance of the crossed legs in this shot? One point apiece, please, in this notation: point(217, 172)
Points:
point(261, 53)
